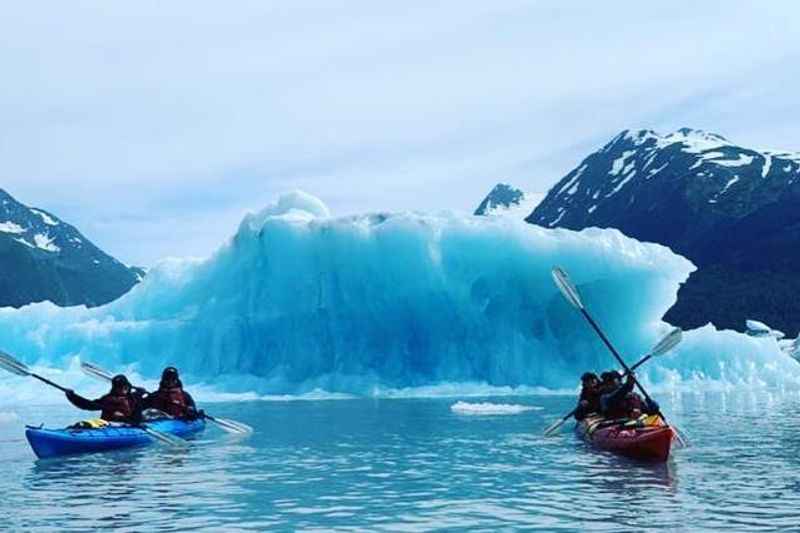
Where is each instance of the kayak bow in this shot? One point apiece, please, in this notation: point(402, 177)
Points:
point(648, 442)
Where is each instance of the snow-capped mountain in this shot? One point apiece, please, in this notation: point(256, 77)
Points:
point(44, 258)
point(506, 201)
point(734, 211)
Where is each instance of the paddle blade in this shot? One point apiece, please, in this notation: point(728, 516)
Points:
point(669, 342)
point(566, 287)
point(12, 365)
point(96, 372)
point(166, 438)
point(680, 437)
point(231, 426)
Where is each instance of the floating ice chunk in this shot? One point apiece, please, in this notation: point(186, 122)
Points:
point(487, 408)
point(8, 417)
point(11, 227)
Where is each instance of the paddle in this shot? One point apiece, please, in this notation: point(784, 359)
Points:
point(664, 345)
point(570, 292)
point(19, 368)
point(231, 426)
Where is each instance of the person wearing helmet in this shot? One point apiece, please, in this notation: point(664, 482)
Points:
point(589, 401)
point(122, 404)
point(171, 398)
point(620, 401)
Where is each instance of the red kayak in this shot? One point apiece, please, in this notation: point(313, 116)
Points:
point(648, 439)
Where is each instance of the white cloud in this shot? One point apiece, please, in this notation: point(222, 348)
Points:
point(116, 115)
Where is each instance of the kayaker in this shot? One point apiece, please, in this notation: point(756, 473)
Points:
point(171, 398)
point(619, 401)
point(589, 400)
point(121, 404)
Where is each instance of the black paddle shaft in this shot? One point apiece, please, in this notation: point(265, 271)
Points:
point(619, 358)
point(45, 380)
point(641, 362)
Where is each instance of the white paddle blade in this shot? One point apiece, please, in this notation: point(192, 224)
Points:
point(164, 438)
point(669, 342)
point(567, 288)
point(231, 426)
point(96, 372)
point(12, 365)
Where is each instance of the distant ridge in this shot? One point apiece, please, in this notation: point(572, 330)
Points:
point(44, 258)
point(506, 201)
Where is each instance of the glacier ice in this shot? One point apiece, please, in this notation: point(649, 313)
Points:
point(300, 301)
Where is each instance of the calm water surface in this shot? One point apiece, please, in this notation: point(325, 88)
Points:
point(410, 465)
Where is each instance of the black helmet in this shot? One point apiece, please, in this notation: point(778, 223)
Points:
point(589, 376)
point(170, 373)
point(611, 375)
point(119, 381)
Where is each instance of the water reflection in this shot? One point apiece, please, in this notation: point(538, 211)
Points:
point(414, 465)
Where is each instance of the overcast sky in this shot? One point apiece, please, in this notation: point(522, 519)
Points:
point(154, 126)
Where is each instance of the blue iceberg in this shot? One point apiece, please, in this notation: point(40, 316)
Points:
point(298, 300)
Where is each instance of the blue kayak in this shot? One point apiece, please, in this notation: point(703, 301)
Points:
point(55, 442)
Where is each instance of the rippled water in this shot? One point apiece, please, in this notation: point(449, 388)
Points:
point(400, 465)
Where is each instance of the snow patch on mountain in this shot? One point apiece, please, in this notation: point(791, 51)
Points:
point(45, 242)
point(47, 219)
point(11, 227)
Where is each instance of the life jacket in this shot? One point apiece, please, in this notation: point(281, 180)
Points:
point(625, 408)
point(117, 408)
point(593, 398)
point(172, 401)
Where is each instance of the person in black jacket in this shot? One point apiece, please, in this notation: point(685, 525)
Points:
point(171, 398)
point(589, 400)
point(619, 401)
point(122, 404)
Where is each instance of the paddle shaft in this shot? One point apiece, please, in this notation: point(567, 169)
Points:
point(619, 359)
point(45, 380)
point(641, 362)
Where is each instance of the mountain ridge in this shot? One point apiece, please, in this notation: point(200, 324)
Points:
point(733, 211)
point(43, 258)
